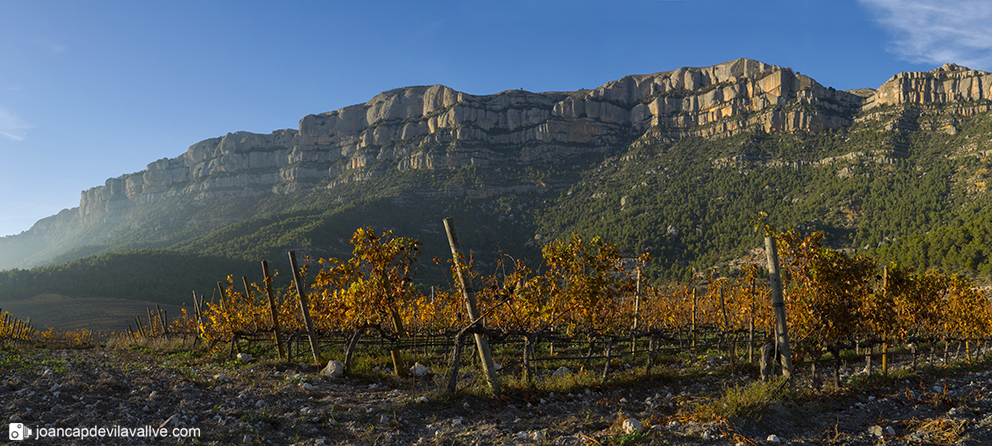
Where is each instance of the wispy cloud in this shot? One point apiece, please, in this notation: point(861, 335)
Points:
point(12, 127)
point(938, 31)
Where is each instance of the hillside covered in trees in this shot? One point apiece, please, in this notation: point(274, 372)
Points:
point(676, 164)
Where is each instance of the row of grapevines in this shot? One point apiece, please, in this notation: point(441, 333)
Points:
point(583, 286)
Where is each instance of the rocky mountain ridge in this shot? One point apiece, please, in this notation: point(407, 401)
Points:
point(436, 127)
point(435, 134)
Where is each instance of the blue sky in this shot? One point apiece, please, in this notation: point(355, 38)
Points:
point(96, 89)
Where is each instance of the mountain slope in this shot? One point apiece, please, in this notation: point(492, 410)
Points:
point(676, 163)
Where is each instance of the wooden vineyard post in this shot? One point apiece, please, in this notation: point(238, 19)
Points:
point(528, 375)
point(732, 348)
point(637, 312)
point(750, 336)
point(196, 313)
point(778, 305)
point(398, 367)
point(885, 295)
point(151, 322)
point(220, 289)
point(469, 293)
point(162, 319)
point(244, 280)
point(637, 301)
point(693, 321)
point(305, 307)
point(272, 307)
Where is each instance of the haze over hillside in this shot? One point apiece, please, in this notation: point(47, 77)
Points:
point(675, 163)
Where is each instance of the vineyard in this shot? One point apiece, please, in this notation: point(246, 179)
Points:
point(584, 306)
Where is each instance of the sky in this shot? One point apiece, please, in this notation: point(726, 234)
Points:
point(98, 89)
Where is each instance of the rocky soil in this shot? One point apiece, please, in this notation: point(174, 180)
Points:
point(289, 404)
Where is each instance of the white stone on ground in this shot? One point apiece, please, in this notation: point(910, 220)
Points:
point(334, 369)
point(631, 425)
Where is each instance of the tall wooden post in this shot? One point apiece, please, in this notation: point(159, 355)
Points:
point(692, 327)
point(163, 320)
point(885, 343)
point(199, 316)
point(732, 348)
point(244, 280)
point(778, 305)
point(151, 321)
point(469, 293)
point(305, 307)
point(750, 335)
point(223, 309)
point(272, 308)
point(637, 299)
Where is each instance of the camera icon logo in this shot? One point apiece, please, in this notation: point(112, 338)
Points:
point(18, 431)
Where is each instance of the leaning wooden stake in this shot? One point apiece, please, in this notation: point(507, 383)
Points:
point(163, 320)
point(196, 313)
point(220, 289)
point(151, 322)
point(304, 307)
point(778, 305)
point(272, 307)
point(469, 293)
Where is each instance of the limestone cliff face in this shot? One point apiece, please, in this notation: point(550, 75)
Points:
point(947, 84)
point(435, 127)
point(728, 98)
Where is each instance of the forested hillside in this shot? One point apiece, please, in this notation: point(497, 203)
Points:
point(645, 162)
point(916, 197)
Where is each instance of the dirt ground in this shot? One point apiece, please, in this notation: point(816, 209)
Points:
point(156, 398)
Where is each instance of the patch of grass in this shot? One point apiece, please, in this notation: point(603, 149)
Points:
point(572, 382)
point(891, 380)
point(630, 438)
point(57, 365)
point(11, 360)
point(744, 402)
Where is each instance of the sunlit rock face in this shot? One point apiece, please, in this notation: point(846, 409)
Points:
point(947, 84)
point(435, 127)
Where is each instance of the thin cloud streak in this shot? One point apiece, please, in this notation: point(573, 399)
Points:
point(938, 31)
point(12, 127)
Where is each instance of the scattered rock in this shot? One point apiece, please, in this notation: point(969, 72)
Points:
point(419, 370)
point(875, 430)
point(631, 425)
point(334, 369)
point(259, 403)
